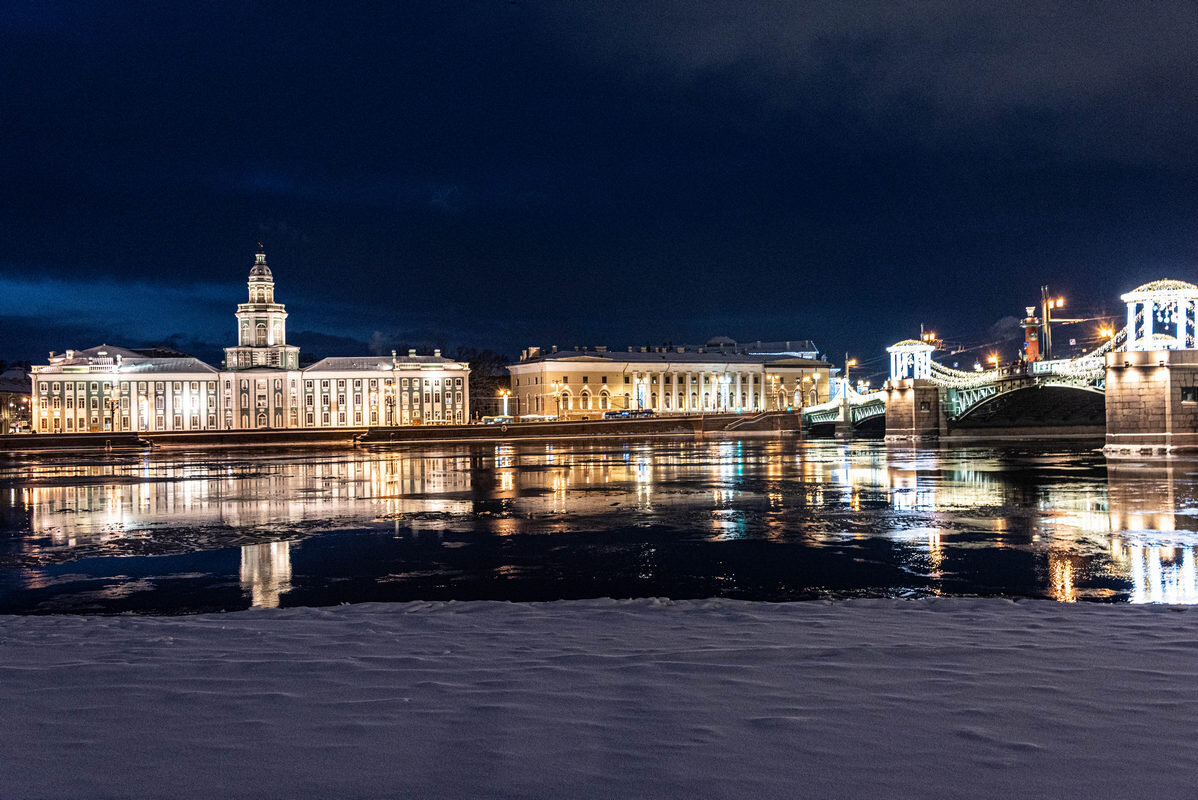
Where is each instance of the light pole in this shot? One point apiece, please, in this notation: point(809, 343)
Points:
point(1048, 304)
point(504, 394)
point(848, 363)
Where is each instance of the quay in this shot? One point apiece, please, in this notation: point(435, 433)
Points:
point(695, 425)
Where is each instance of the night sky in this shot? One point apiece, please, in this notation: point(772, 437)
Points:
point(499, 174)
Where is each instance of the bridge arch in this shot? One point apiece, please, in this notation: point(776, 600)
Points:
point(1040, 404)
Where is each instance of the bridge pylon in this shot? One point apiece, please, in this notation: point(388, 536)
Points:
point(1152, 386)
point(913, 410)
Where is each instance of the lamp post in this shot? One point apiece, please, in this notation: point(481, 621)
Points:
point(848, 363)
point(1048, 304)
point(503, 393)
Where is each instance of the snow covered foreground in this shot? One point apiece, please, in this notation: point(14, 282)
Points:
point(606, 699)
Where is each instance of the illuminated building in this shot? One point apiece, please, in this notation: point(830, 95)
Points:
point(109, 388)
point(721, 376)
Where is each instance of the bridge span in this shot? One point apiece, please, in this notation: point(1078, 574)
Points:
point(1139, 389)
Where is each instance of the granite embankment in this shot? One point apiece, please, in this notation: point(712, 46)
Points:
point(691, 425)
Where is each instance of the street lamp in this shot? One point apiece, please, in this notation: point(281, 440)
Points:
point(848, 362)
point(993, 359)
point(504, 394)
point(1048, 304)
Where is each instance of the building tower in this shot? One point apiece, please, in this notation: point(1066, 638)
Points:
point(261, 325)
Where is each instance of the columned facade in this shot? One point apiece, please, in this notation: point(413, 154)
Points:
point(677, 380)
point(1162, 315)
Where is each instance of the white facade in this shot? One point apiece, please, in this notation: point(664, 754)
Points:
point(110, 388)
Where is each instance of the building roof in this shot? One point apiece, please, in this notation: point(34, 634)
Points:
point(260, 270)
point(376, 363)
point(14, 380)
point(112, 359)
point(155, 365)
point(666, 356)
point(1167, 286)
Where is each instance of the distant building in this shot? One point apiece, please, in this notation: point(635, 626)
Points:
point(14, 401)
point(108, 388)
point(722, 375)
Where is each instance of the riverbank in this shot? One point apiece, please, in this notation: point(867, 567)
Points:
point(683, 425)
point(603, 698)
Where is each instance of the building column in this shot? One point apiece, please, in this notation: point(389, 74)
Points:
point(737, 405)
point(1131, 326)
point(1149, 321)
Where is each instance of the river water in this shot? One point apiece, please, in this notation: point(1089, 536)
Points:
point(182, 532)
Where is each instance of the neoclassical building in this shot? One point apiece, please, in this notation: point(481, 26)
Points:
point(721, 376)
point(107, 388)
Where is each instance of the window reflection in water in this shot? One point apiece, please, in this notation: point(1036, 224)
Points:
point(1130, 531)
point(266, 572)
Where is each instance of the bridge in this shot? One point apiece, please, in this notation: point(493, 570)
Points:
point(923, 398)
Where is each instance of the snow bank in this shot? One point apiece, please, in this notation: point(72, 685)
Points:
point(604, 699)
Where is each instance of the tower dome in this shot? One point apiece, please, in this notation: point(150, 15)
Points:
point(260, 270)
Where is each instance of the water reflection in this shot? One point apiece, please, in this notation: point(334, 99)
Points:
point(266, 572)
point(761, 519)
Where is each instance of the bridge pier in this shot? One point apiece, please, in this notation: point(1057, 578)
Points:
point(914, 410)
point(1151, 403)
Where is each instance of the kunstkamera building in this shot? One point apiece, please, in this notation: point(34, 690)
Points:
point(108, 388)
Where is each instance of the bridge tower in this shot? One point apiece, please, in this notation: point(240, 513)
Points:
point(1152, 386)
point(913, 407)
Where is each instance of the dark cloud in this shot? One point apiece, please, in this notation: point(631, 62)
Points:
point(498, 175)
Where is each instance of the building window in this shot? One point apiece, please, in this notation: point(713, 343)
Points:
point(1189, 394)
point(627, 379)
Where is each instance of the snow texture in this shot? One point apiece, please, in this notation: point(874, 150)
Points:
point(970, 698)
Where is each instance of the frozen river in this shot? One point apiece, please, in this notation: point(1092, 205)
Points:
point(179, 532)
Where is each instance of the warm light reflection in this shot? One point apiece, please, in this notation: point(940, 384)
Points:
point(1132, 529)
point(266, 572)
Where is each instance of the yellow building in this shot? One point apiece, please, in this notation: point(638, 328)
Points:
point(721, 376)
